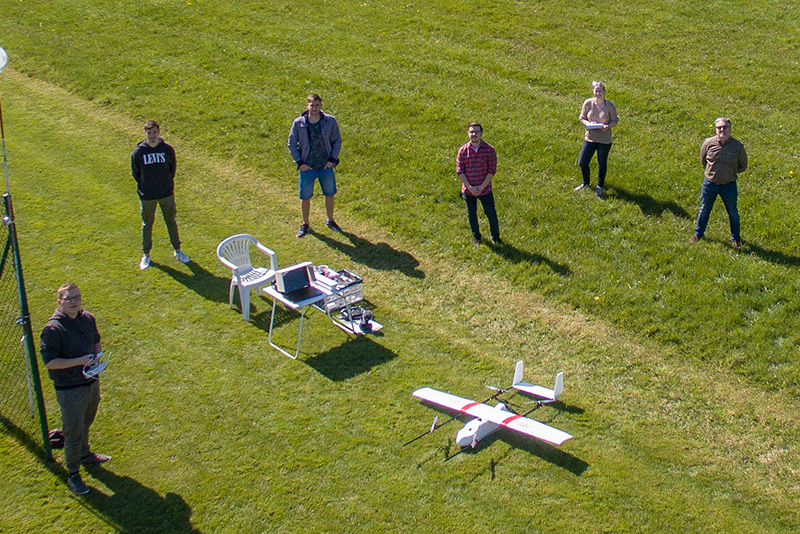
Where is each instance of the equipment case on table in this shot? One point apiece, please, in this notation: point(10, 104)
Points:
point(351, 284)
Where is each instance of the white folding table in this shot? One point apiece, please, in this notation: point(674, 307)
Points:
point(301, 305)
point(351, 327)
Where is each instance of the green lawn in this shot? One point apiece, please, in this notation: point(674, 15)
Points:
point(681, 362)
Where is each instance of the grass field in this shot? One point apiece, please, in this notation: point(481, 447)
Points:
point(681, 362)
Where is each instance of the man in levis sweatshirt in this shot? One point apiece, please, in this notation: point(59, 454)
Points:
point(153, 167)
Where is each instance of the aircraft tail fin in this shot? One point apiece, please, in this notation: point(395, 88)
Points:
point(518, 370)
point(559, 387)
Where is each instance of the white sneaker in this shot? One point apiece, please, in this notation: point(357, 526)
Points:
point(181, 257)
point(145, 262)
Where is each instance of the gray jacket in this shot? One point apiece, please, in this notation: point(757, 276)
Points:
point(299, 144)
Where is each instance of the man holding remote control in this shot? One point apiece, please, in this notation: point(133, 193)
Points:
point(70, 340)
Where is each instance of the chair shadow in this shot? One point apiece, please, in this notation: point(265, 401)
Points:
point(351, 358)
point(650, 206)
point(515, 255)
point(378, 256)
point(204, 283)
point(132, 508)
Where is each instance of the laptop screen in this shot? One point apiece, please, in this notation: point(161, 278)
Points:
point(293, 278)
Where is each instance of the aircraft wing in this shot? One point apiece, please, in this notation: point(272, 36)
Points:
point(533, 428)
point(443, 399)
point(494, 414)
point(454, 402)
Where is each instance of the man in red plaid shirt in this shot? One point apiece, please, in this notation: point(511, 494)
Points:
point(476, 165)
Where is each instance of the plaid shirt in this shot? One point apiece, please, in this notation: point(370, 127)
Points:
point(476, 165)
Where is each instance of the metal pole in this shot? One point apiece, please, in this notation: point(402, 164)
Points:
point(3, 62)
point(25, 322)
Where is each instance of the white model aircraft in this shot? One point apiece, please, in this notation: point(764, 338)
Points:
point(489, 419)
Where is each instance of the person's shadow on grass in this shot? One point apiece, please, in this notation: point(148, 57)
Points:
point(772, 256)
point(650, 206)
point(378, 256)
point(515, 255)
point(134, 508)
point(201, 281)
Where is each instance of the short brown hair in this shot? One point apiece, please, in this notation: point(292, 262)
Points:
point(65, 288)
point(313, 97)
point(475, 125)
point(150, 124)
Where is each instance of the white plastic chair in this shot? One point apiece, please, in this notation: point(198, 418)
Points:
point(234, 252)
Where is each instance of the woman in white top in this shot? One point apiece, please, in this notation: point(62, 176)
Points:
point(598, 116)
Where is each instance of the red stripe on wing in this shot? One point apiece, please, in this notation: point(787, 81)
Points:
point(509, 419)
point(468, 406)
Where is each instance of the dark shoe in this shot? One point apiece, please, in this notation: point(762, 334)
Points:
point(737, 245)
point(333, 226)
point(94, 458)
point(75, 483)
point(695, 238)
point(476, 241)
point(497, 241)
point(303, 230)
point(580, 187)
point(598, 191)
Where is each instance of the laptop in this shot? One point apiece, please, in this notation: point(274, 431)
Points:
point(295, 282)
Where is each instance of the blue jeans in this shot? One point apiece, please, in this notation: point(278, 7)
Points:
point(708, 194)
point(587, 152)
point(487, 201)
point(327, 182)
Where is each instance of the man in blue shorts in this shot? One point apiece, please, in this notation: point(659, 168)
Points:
point(314, 143)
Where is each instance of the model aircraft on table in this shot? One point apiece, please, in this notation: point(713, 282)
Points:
point(489, 419)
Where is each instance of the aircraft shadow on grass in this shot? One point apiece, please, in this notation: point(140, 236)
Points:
point(378, 256)
point(515, 255)
point(650, 206)
point(351, 358)
point(545, 451)
point(132, 508)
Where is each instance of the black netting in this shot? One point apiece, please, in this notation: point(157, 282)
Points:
point(17, 397)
